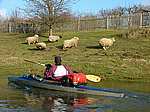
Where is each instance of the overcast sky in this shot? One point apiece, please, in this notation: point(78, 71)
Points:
point(6, 6)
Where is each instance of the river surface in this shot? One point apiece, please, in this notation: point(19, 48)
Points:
point(16, 99)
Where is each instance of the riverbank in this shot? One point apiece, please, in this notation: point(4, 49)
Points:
point(127, 60)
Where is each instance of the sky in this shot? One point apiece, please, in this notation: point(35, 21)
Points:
point(92, 6)
point(96, 5)
point(7, 6)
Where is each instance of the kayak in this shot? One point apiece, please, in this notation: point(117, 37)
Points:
point(53, 85)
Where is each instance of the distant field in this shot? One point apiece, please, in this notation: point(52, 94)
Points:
point(127, 59)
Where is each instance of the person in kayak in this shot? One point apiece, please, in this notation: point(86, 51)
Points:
point(56, 71)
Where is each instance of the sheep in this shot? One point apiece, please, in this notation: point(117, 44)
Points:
point(71, 43)
point(41, 45)
point(32, 40)
point(106, 43)
point(53, 38)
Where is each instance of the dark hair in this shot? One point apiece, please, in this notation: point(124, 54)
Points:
point(57, 60)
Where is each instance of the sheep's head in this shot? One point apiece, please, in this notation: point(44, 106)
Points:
point(50, 40)
point(77, 38)
point(113, 39)
point(36, 35)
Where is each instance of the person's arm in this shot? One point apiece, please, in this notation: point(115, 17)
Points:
point(48, 66)
point(68, 68)
point(47, 72)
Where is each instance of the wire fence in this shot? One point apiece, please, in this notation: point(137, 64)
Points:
point(132, 21)
point(138, 20)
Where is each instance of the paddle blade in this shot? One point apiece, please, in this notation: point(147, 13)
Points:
point(93, 78)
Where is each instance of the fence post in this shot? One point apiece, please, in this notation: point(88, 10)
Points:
point(107, 22)
point(9, 27)
point(78, 27)
point(141, 20)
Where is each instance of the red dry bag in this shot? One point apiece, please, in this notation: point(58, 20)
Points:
point(77, 78)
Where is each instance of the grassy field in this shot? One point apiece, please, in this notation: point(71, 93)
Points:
point(126, 60)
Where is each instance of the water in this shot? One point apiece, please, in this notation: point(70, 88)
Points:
point(16, 99)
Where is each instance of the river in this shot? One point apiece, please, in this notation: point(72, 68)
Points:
point(16, 99)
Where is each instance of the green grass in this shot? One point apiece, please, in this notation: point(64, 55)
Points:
point(126, 60)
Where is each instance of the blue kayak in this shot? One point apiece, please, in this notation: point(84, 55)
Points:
point(53, 85)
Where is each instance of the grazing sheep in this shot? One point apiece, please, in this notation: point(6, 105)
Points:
point(54, 38)
point(32, 40)
point(41, 45)
point(71, 43)
point(106, 43)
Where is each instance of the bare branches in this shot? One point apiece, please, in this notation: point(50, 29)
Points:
point(48, 12)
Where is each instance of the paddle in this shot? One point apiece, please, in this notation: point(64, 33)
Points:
point(92, 78)
point(34, 62)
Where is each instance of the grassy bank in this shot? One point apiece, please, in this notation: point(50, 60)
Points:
point(127, 59)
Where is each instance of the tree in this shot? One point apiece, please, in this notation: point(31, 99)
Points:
point(104, 13)
point(131, 10)
point(14, 20)
point(47, 12)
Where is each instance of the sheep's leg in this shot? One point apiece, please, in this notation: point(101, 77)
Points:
point(104, 48)
point(75, 45)
point(35, 42)
point(28, 43)
point(63, 48)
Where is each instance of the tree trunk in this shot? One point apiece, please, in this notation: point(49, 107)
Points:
point(50, 30)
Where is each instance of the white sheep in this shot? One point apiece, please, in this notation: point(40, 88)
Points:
point(71, 43)
point(32, 40)
point(41, 45)
point(106, 43)
point(53, 38)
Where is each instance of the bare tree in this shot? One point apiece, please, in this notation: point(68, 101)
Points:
point(14, 21)
point(131, 10)
point(104, 13)
point(47, 12)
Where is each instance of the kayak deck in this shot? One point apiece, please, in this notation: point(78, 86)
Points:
point(51, 85)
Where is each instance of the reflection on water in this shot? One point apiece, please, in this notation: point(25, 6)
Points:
point(14, 99)
point(39, 100)
point(54, 101)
